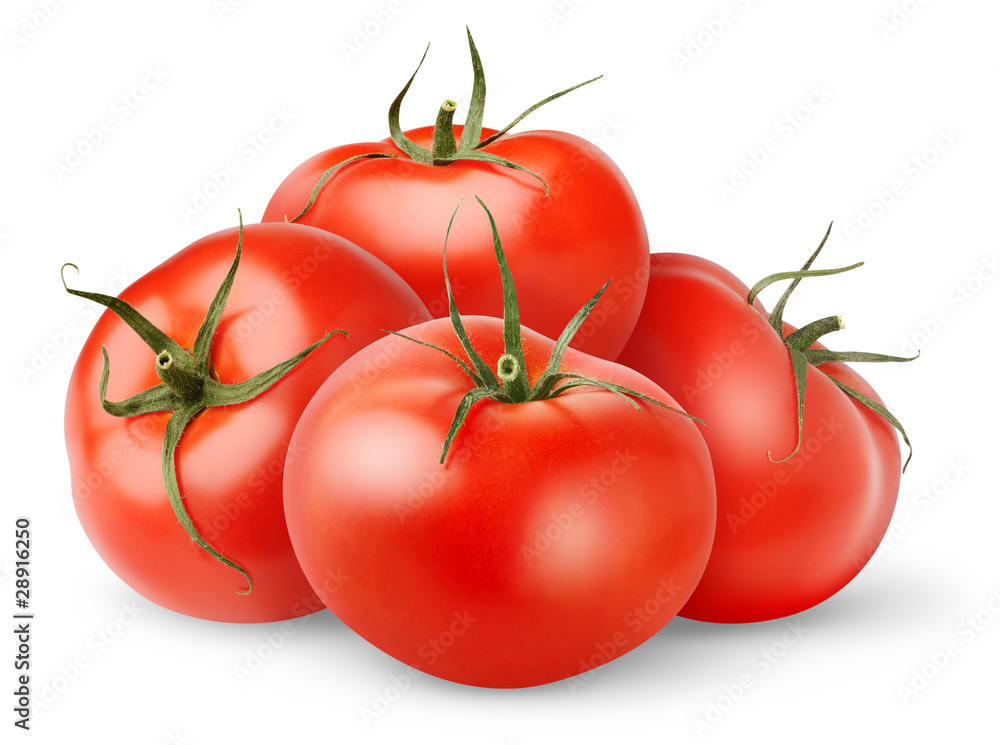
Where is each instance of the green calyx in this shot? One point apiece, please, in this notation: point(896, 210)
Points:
point(187, 386)
point(510, 384)
point(800, 346)
point(445, 149)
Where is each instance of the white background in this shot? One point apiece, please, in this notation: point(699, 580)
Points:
point(892, 77)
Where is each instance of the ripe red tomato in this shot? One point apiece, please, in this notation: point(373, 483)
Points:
point(294, 284)
point(790, 533)
point(552, 536)
point(587, 230)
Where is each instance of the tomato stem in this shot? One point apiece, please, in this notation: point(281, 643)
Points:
point(444, 134)
point(809, 334)
point(180, 375)
point(508, 368)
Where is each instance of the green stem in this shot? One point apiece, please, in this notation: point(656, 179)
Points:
point(444, 134)
point(180, 375)
point(514, 378)
point(809, 334)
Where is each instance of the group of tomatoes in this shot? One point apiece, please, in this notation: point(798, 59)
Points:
point(499, 440)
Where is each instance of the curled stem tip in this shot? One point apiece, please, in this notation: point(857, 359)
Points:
point(62, 273)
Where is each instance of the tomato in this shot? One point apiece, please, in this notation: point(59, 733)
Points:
point(791, 531)
point(294, 284)
point(558, 534)
point(586, 230)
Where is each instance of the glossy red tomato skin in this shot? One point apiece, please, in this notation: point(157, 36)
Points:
point(293, 285)
point(557, 536)
point(587, 231)
point(790, 534)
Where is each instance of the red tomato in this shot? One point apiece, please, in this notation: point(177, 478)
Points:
point(294, 284)
point(589, 228)
point(587, 231)
point(558, 535)
point(790, 534)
